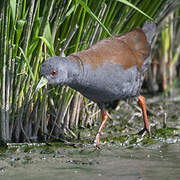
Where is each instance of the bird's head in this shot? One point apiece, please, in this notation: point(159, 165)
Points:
point(53, 71)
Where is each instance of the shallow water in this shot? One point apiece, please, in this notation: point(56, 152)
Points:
point(122, 155)
point(108, 162)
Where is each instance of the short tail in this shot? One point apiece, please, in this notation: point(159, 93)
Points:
point(149, 29)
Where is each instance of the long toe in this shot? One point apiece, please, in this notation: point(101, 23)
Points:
point(97, 140)
point(144, 130)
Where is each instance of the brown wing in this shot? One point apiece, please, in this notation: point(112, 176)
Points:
point(127, 50)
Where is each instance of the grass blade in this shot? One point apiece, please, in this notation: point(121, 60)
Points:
point(137, 9)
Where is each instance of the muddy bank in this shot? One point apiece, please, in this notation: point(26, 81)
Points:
point(122, 155)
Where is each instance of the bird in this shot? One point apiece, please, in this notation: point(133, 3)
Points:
point(112, 69)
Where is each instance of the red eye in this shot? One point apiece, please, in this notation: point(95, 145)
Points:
point(54, 73)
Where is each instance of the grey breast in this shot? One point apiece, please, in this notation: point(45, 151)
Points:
point(109, 82)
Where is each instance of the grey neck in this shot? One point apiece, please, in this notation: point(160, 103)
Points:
point(74, 72)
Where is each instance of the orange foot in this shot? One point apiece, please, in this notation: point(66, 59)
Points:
point(97, 139)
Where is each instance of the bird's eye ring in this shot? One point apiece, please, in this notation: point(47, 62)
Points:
point(54, 73)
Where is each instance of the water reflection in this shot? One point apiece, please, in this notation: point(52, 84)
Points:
point(108, 162)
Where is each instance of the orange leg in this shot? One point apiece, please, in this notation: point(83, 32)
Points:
point(142, 103)
point(104, 119)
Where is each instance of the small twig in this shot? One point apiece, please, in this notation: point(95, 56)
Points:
point(101, 14)
point(71, 133)
point(68, 40)
point(165, 120)
point(22, 129)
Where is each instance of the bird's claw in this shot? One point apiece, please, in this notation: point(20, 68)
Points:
point(97, 140)
point(143, 131)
